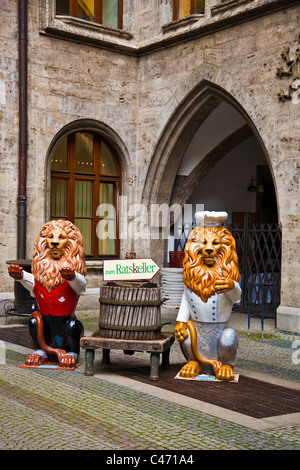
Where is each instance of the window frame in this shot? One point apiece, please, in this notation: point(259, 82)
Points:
point(176, 10)
point(98, 4)
point(71, 175)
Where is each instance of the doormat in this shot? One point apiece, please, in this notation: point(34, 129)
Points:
point(250, 397)
point(19, 335)
point(50, 365)
point(207, 378)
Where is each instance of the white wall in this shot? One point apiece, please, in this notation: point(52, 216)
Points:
point(225, 186)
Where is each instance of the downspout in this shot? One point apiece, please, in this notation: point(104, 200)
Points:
point(23, 131)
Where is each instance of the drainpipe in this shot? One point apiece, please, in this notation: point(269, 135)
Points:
point(23, 133)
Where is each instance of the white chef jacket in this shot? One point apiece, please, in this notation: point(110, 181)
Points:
point(217, 309)
point(78, 284)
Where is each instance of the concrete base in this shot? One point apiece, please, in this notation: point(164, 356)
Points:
point(288, 319)
point(87, 301)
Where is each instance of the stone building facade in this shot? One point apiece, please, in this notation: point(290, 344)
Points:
point(148, 89)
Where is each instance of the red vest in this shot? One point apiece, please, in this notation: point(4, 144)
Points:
point(62, 300)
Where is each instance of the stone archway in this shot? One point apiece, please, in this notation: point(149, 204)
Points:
point(95, 126)
point(122, 153)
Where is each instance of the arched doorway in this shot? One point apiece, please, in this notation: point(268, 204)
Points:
point(212, 154)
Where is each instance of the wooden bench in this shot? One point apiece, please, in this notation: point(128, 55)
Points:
point(155, 347)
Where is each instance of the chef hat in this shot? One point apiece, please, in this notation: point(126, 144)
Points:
point(210, 218)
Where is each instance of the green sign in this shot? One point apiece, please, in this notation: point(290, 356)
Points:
point(129, 269)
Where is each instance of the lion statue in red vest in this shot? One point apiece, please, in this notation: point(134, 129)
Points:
point(211, 277)
point(57, 280)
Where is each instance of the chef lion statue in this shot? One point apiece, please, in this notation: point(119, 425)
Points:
point(57, 281)
point(211, 276)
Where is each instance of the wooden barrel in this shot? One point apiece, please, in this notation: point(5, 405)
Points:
point(130, 310)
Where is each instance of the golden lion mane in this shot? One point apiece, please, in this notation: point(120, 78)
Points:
point(45, 269)
point(201, 278)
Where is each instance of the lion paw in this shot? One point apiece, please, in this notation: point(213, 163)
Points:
point(67, 361)
point(190, 370)
point(225, 372)
point(35, 360)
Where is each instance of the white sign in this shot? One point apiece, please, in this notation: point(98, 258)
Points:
point(129, 269)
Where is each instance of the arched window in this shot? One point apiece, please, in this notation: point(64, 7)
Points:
point(85, 173)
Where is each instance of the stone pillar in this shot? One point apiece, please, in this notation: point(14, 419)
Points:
point(288, 312)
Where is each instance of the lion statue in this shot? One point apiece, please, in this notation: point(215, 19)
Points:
point(211, 276)
point(57, 280)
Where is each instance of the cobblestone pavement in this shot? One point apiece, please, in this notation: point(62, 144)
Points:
point(61, 410)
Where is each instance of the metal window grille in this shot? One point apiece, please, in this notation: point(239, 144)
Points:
point(259, 250)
